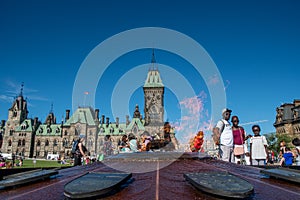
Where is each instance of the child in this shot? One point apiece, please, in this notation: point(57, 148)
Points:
point(287, 158)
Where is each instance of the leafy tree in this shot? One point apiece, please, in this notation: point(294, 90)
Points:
point(272, 142)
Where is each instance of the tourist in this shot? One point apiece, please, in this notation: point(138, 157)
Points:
point(123, 145)
point(80, 151)
point(2, 162)
point(20, 163)
point(146, 141)
point(133, 144)
point(223, 137)
point(287, 158)
point(296, 142)
point(282, 148)
point(258, 147)
point(107, 146)
point(239, 137)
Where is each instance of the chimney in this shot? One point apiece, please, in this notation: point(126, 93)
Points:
point(35, 121)
point(107, 121)
point(97, 114)
point(127, 120)
point(102, 119)
point(117, 122)
point(67, 114)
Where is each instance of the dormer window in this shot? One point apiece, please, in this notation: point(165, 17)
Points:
point(41, 130)
point(24, 126)
point(111, 130)
point(57, 130)
point(49, 130)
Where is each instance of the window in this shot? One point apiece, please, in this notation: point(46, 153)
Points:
point(38, 143)
point(55, 142)
point(19, 143)
point(41, 130)
point(11, 132)
point(90, 143)
point(66, 133)
point(57, 130)
point(9, 142)
point(23, 142)
point(49, 130)
point(47, 143)
point(111, 130)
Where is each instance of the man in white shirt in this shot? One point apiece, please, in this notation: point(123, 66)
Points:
point(224, 136)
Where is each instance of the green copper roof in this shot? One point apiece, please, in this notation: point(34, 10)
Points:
point(137, 122)
point(112, 129)
point(26, 125)
point(53, 129)
point(82, 115)
point(153, 79)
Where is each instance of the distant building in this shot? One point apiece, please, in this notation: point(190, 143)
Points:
point(30, 137)
point(288, 119)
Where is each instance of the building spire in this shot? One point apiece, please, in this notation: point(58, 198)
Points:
point(153, 61)
point(22, 87)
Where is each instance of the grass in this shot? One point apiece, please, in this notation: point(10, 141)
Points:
point(42, 164)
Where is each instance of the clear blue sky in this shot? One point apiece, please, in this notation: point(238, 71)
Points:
point(255, 45)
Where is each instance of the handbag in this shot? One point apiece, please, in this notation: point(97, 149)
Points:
point(239, 149)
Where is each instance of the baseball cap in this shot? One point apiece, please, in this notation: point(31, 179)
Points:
point(226, 110)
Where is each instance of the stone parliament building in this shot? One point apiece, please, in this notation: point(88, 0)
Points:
point(288, 119)
point(30, 137)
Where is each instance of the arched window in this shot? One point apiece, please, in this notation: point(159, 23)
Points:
point(47, 143)
point(9, 142)
point(49, 130)
point(23, 142)
point(65, 142)
point(11, 132)
point(66, 132)
point(55, 142)
point(111, 130)
point(57, 130)
point(41, 130)
point(38, 143)
point(90, 143)
point(19, 143)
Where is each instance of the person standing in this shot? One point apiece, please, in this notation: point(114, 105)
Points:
point(258, 147)
point(80, 151)
point(108, 146)
point(239, 137)
point(223, 137)
point(296, 142)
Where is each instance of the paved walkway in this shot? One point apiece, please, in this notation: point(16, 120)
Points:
point(158, 176)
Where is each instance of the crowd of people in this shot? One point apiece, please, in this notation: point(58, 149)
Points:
point(233, 146)
point(127, 144)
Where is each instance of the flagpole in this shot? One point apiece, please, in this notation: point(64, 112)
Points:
point(84, 100)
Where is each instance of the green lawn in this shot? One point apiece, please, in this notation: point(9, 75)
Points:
point(42, 164)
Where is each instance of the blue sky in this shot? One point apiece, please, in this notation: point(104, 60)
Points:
point(254, 44)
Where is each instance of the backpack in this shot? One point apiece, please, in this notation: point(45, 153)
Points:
point(74, 146)
point(217, 133)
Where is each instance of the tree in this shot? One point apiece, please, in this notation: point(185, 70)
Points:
point(275, 139)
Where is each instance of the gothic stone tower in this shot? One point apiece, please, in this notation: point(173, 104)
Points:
point(154, 99)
